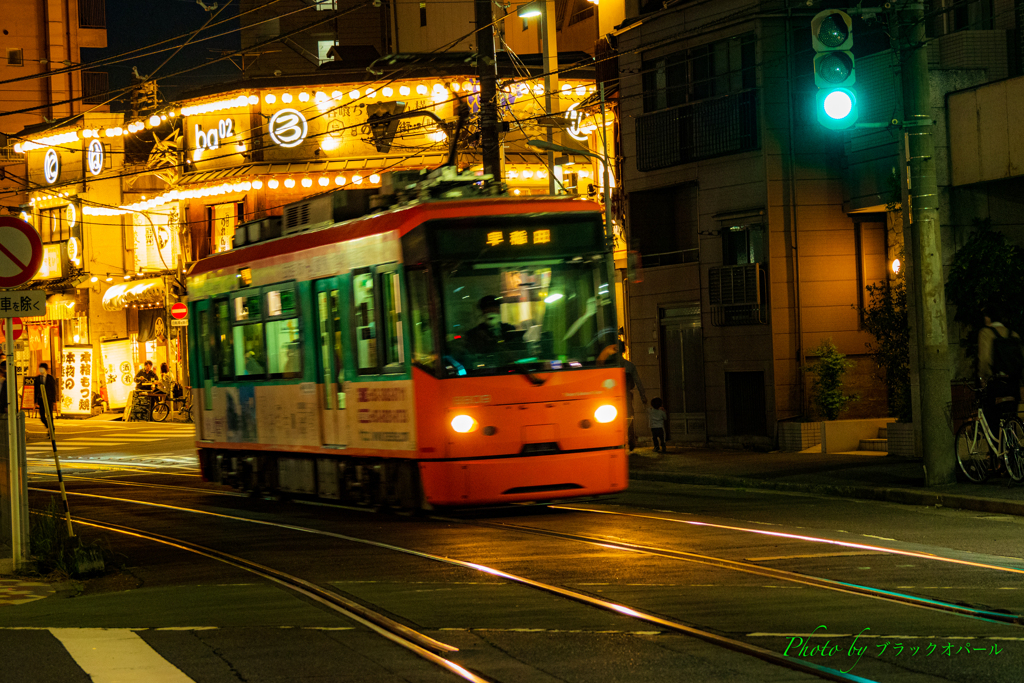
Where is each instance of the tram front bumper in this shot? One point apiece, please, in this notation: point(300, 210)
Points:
point(522, 478)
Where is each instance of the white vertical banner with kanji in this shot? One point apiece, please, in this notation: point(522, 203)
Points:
point(156, 245)
point(225, 216)
point(118, 373)
point(76, 380)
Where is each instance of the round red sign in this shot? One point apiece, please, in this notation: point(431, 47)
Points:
point(19, 328)
point(21, 252)
point(179, 311)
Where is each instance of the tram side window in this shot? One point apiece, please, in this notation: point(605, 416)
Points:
point(284, 350)
point(366, 324)
point(391, 301)
point(223, 342)
point(424, 353)
point(250, 352)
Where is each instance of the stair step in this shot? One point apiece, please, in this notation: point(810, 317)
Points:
point(882, 433)
point(881, 445)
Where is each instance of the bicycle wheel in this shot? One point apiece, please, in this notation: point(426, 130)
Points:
point(1013, 442)
point(161, 411)
point(972, 452)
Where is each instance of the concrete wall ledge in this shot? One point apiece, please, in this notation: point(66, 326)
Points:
point(843, 436)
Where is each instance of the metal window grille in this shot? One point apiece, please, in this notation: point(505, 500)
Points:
point(95, 86)
point(738, 295)
point(701, 130)
point(92, 14)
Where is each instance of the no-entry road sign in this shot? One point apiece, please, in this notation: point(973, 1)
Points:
point(21, 252)
point(18, 328)
point(179, 311)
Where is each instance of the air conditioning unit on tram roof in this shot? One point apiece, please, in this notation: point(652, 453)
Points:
point(325, 210)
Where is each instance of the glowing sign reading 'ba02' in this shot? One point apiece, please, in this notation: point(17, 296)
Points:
point(288, 128)
point(212, 139)
point(94, 157)
point(51, 166)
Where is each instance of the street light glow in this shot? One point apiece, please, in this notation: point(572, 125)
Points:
point(838, 104)
point(531, 9)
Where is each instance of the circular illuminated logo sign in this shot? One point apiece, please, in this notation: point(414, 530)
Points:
point(575, 117)
point(288, 128)
point(71, 215)
point(51, 166)
point(94, 158)
point(74, 250)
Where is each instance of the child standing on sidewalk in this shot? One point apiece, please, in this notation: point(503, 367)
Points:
point(657, 418)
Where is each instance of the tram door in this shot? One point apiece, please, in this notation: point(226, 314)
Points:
point(331, 359)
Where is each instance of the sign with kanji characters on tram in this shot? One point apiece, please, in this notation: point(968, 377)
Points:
point(27, 303)
point(76, 380)
point(21, 252)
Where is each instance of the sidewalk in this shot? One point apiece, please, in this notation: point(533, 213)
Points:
point(871, 477)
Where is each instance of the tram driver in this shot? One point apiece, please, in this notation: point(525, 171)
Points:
point(485, 337)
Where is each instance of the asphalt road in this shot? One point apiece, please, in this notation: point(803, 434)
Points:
point(192, 618)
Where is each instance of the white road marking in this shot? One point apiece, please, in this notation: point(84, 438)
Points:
point(117, 656)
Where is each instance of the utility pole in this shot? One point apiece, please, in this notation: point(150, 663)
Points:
point(487, 71)
point(927, 282)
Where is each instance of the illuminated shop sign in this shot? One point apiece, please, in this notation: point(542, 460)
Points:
point(288, 128)
point(575, 117)
point(51, 166)
point(71, 215)
point(76, 378)
point(94, 157)
point(211, 139)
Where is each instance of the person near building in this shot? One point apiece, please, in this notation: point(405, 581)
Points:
point(1000, 364)
point(146, 375)
point(166, 384)
point(632, 381)
point(45, 395)
point(657, 418)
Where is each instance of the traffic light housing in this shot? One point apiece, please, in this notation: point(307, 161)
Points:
point(834, 72)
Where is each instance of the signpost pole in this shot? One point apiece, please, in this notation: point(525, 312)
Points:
point(14, 449)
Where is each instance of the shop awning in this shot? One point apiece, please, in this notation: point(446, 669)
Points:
point(139, 292)
point(313, 167)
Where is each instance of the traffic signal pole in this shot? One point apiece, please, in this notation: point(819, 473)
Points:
point(487, 72)
point(927, 281)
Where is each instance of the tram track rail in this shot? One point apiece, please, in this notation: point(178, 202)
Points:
point(897, 597)
point(703, 634)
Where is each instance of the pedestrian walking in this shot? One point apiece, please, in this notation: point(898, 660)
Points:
point(45, 395)
point(658, 418)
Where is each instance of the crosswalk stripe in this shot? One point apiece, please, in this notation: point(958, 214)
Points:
point(116, 655)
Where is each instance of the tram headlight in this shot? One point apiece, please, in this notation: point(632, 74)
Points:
point(463, 424)
point(605, 413)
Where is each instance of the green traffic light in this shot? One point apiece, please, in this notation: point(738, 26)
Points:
point(838, 104)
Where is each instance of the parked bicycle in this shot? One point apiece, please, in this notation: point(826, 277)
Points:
point(165, 404)
point(979, 451)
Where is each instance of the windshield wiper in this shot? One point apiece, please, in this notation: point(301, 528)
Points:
point(534, 379)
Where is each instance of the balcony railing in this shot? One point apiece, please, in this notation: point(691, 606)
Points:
point(92, 14)
point(700, 130)
point(738, 295)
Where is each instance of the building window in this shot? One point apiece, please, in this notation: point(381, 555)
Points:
point(323, 47)
point(713, 70)
point(53, 225)
point(743, 245)
point(92, 14)
point(327, 5)
point(423, 14)
point(663, 225)
point(701, 103)
point(15, 56)
point(95, 86)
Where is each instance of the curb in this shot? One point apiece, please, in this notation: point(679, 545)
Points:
point(890, 495)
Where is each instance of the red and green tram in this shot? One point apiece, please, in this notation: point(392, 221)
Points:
point(445, 353)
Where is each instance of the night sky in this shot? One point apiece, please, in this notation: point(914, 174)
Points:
point(132, 24)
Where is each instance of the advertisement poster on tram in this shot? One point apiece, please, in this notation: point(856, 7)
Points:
point(117, 371)
point(76, 381)
point(383, 415)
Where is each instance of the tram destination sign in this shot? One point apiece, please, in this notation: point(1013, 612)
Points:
point(518, 237)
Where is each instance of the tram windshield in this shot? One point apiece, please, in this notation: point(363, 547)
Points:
point(533, 315)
